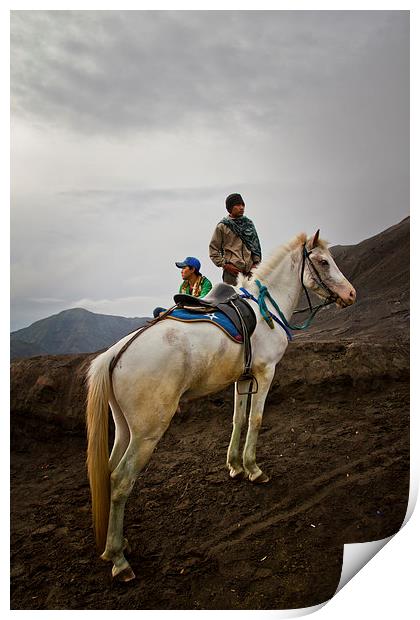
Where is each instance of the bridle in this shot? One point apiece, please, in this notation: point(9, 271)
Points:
point(269, 317)
point(330, 299)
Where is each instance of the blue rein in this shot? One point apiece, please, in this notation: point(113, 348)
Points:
point(269, 317)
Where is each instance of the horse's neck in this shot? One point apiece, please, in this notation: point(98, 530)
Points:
point(283, 281)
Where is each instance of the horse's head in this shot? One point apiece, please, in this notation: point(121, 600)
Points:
point(322, 275)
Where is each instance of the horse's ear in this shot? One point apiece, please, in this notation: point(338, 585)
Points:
point(314, 240)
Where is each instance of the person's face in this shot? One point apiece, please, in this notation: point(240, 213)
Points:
point(237, 211)
point(186, 272)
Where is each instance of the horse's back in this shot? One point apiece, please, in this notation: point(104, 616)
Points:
point(185, 357)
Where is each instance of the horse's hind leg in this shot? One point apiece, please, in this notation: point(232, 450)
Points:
point(233, 460)
point(121, 441)
point(123, 477)
point(122, 435)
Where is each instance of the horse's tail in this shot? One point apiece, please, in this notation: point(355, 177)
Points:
point(99, 390)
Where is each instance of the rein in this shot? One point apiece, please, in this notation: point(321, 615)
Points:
point(269, 317)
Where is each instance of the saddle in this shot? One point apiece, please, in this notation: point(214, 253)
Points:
point(225, 299)
point(219, 294)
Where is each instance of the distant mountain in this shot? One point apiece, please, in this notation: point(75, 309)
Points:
point(71, 331)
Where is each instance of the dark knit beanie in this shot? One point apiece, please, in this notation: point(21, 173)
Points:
point(232, 200)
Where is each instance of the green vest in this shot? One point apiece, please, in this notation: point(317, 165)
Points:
point(202, 287)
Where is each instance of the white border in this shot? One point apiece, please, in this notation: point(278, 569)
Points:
point(387, 586)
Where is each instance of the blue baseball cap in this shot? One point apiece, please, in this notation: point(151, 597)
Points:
point(190, 261)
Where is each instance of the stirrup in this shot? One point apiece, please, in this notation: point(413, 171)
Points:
point(253, 388)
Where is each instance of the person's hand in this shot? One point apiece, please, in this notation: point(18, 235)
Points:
point(231, 269)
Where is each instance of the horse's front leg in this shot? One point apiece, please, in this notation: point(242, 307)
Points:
point(233, 460)
point(254, 473)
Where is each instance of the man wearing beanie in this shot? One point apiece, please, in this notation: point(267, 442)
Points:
point(235, 246)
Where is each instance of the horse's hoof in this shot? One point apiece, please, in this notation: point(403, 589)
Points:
point(125, 575)
point(240, 475)
point(261, 479)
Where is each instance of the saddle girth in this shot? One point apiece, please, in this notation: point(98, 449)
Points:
point(224, 298)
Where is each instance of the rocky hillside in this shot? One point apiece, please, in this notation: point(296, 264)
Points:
point(379, 268)
point(48, 393)
point(71, 331)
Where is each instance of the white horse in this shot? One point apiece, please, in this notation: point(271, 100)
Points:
point(173, 359)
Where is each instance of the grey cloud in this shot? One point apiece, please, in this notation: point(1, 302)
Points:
point(90, 245)
point(113, 71)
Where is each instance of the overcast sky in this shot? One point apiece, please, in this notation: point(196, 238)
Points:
point(130, 128)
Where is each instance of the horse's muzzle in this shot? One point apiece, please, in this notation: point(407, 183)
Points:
point(346, 298)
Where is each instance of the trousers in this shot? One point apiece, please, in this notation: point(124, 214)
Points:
point(229, 278)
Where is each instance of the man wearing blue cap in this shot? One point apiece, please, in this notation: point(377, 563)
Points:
point(194, 283)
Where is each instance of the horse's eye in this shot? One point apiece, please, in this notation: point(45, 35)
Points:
point(324, 262)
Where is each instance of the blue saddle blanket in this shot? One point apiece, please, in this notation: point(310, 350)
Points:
point(216, 318)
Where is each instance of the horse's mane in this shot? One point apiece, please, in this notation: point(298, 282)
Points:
point(267, 266)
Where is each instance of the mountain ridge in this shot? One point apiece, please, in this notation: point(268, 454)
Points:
point(75, 330)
